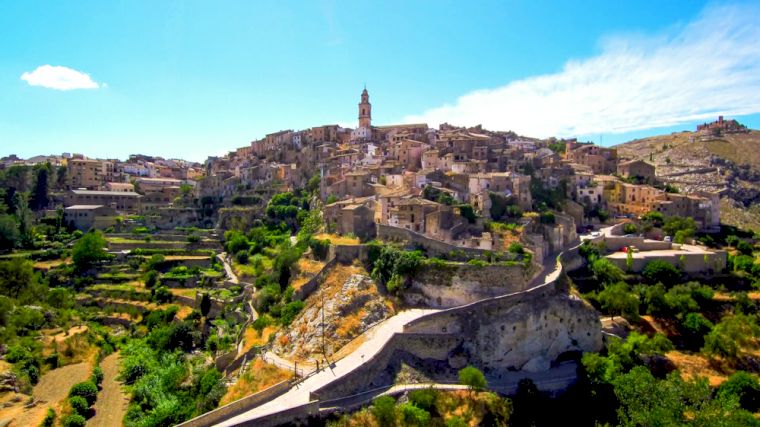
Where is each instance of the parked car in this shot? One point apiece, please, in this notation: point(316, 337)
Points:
point(667, 239)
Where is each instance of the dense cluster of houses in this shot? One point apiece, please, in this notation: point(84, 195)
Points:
point(381, 174)
point(408, 176)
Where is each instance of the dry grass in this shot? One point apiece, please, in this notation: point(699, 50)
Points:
point(350, 325)
point(185, 292)
point(695, 365)
point(338, 240)
point(184, 257)
point(309, 266)
point(720, 296)
point(259, 376)
point(183, 312)
point(72, 348)
point(47, 265)
point(298, 282)
point(251, 337)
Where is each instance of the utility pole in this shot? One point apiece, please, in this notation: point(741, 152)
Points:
point(324, 348)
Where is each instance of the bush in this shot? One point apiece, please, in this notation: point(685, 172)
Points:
point(695, 326)
point(630, 228)
point(516, 248)
point(743, 386)
point(151, 279)
point(424, 398)
point(384, 410)
point(745, 248)
point(97, 376)
point(414, 416)
point(79, 405)
point(290, 311)
point(661, 271)
point(242, 256)
point(319, 248)
point(49, 420)
point(73, 420)
point(87, 389)
point(472, 377)
point(607, 272)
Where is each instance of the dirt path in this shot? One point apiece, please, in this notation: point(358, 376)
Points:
point(52, 389)
point(112, 402)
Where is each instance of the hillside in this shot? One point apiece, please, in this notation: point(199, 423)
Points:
point(696, 162)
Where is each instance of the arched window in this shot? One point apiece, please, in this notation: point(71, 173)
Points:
point(362, 111)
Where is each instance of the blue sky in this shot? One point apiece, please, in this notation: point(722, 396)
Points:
point(196, 78)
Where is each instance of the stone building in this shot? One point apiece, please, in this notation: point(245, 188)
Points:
point(640, 169)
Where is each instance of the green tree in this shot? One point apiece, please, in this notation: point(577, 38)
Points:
point(618, 299)
point(40, 197)
point(661, 271)
point(744, 387)
point(313, 185)
point(89, 250)
point(607, 272)
point(384, 410)
point(472, 377)
point(205, 304)
point(16, 276)
point(24, 218)
point(9, 234)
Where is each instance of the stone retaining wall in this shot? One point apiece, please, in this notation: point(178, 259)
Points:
point(432, 246)
point(307, 288)
point(239, 406)
point(454, 284)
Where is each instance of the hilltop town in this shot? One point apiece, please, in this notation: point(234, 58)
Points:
point(314, 276)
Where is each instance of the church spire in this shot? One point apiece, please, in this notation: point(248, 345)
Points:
point(365, 110)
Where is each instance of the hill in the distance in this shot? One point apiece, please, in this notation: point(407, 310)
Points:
point(698, 161)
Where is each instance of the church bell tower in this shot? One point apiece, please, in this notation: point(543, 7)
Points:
point(365, 111)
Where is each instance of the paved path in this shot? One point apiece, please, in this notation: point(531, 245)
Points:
point(299, 395)
point(112, 402)
point(227, 268)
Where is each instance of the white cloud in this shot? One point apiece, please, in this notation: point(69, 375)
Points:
point(697, 71)
point(60, 78)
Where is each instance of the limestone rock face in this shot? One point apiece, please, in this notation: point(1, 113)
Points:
point(453, 285)
point(347, 314)
point(531, 334)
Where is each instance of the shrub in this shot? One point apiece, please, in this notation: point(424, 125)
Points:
point(661, 271)
point(745, 248)
point(49, 420)
point(424, 398)
point(319, 248)
point(151, 279)
point(97, 376)
point(87, 389)
point(384, 410)
point(456, 421)
point(414, 416)
point(695, 326)
point(79, 405)
point(73, 420)
point(607, 272)
point(242, 256)
point(516, 248)
point(260, 323)
point(472, 377)
point(630, 228)
point(745, 387)
point(290, 311)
